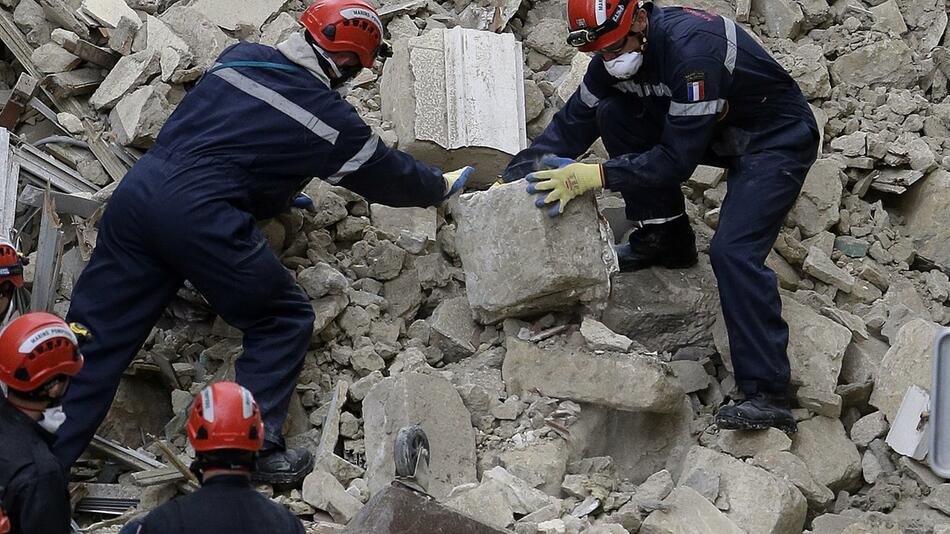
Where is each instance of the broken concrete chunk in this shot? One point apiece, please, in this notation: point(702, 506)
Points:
point(52, 58)
point(324, 492)
point(884, 61)
point(108, 12)
point(926, 208)
point(432, 403)
point(748, 443)
point(203, 37)
point(783, 18)
point(486, 503)
point(868, 428)
point(279, 29)
point(819, 402)
point(692, 375)
point(129, 73)
point(832, 458)
point(787, 466)
point(420, 222)
point(512, 273)
point(452, 321)
point(817, 207)
point(665, 309)
point(251, 14)
point(446, 116)
point(819, 265)
point(138, 118)
point(688, 512)
point(907, 363)
point(522, 498)
point(321, 280)
point(599, 337)
point(628, 382)
point(758, 501)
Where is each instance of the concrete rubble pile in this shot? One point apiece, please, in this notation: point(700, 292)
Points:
point(558, 395)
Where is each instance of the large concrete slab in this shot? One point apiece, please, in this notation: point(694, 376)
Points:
point(629, 382)
point(927, 209)
point(457, 97)
point(251, 14)
point(432, 403)
point(518, 261)
point(397, 510)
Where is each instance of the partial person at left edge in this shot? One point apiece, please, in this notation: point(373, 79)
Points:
point(39, 353)
point(239, 148)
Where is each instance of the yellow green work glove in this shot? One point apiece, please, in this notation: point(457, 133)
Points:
point(565, 184)
point(455, 181)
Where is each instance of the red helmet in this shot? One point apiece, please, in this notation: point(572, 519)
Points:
point(34, 349)
point(4, 523)
point(596, 24)
point(11, 266)
point(225, 416)
point(345, 26)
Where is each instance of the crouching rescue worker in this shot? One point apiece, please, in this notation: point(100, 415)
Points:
point(226, 431)
point(239, 148)
point(38, 355)
point(669, 88)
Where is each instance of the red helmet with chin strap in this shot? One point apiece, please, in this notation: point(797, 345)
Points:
point(345, 26)
point(596, 24)
point(225, 416)
point(11, 266)
point(36, 348)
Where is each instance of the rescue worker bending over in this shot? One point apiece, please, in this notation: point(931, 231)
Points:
point(669, 88)
point(226, 431)
point(38, 355)
point(238, 148)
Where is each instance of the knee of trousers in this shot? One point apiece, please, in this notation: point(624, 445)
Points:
point(611, 112)
point(724, 255)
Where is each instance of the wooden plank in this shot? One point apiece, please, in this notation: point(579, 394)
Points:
point(155, 477)
point(74, 83)
point(65, 203)
point(8, 185)
point(172, 458)
point(96, 55)
point(24, 90)
point(49, 254)
point(129, 458)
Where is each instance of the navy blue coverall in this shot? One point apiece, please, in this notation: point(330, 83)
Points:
point(706, 93)
point(237, 149)
point(225, 504)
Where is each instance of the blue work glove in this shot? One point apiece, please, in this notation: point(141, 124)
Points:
point(303, 202)
point(455, 181)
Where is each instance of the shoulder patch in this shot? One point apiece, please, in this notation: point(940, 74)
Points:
point(695, 76)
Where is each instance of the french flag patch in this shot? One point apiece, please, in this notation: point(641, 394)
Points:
point(696, 91)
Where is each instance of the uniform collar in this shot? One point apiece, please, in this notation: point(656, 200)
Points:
point(228, 480)
point(298, 50)
point(9, 412)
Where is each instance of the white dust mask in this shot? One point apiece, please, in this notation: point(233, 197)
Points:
point(624, 66)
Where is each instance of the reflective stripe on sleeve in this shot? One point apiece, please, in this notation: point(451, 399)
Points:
point(731, 49)
point(587, 97)
point(357, 161)
point(279, 102)
point(696, 109)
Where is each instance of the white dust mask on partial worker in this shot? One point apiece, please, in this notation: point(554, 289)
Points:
point(625, 65)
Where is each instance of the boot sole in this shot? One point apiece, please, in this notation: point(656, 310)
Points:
point(283, 479)
point(735, 423)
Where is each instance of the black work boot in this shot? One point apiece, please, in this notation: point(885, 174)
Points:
point(671, 245)
point(283, 466)
point(757, 412)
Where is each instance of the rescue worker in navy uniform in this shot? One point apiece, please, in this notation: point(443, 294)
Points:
point(238, 148)
point(669, 88)
point(38, 355)
point(226, 431)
